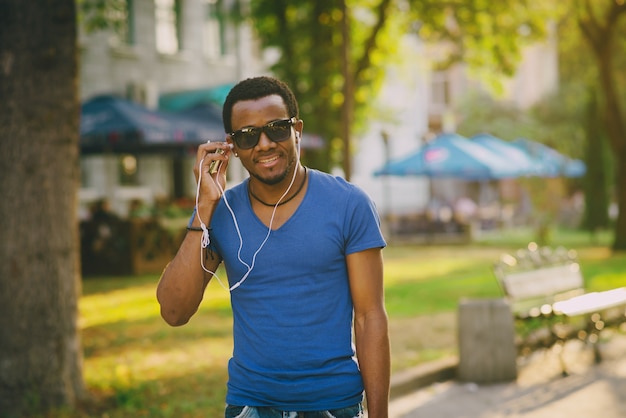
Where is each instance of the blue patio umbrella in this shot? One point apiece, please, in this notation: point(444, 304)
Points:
point(518, 157)
point(113, 124)
point(180, 100)
point(453, 156)
point(206, 112)
point(553, 163)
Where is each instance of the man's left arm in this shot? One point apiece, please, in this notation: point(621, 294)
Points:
point(365, 272)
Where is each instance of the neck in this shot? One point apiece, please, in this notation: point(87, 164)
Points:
point(293, 189)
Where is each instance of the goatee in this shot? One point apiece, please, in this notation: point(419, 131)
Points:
point(271, 181)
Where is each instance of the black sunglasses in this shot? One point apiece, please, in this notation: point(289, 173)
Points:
point(277, 131)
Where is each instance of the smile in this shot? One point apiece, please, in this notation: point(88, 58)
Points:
point(269, 160)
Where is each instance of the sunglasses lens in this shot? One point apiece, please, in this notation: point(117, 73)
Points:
point(248, 138)
point(279, 131)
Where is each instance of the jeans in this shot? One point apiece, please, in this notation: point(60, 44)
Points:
point(355, 411)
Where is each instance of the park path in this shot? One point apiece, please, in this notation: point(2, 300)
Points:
point(590, 391)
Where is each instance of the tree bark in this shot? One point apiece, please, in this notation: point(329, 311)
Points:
point(347, 107)
point(596, 214)
point(40, 353)
point(619, 240)
point(600, 35)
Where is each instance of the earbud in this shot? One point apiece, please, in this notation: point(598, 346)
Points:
point(298, 144)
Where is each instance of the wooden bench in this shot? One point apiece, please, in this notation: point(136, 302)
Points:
point(546, 286)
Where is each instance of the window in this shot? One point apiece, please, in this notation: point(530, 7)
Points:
point(128, 170)
point(168, 26)
point(440, 91)
point(116, 16)
point(213, 32)
point(121, 16)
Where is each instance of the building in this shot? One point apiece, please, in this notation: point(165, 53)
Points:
point(154, 47)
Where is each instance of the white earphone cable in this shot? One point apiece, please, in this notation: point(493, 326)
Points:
point(206, 239)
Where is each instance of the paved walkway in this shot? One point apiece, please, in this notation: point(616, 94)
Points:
point(590, 391)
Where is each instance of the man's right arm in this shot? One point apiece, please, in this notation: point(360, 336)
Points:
point(185, 278)
point(183, 281)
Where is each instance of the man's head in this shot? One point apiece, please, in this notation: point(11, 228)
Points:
point(261, 120)
point(256, 88)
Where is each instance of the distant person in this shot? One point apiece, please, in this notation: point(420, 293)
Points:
point(303, 255)
point(465, 210)
point(100, 211)
point(433, 209)
point(104, 245)
point(103, 223)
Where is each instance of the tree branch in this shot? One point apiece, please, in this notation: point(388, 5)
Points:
point(364, 62)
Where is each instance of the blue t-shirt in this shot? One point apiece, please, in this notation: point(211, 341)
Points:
point(293, 314)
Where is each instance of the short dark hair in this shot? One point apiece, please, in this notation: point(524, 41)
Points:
point(257, 88)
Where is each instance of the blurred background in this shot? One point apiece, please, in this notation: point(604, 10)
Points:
point(478, 127)
point(377, 81)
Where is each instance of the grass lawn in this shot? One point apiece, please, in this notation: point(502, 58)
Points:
point(138, 366)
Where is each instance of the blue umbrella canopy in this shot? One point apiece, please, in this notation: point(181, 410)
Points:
point(204, 111)
point(515, 155)
point(181, 100)
point(553, 163)
point(110, 123)
point(453, 156)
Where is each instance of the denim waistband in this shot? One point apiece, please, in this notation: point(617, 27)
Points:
point(354, 411)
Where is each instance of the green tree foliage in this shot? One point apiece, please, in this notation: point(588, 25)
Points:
point(559, 119)
point(484, 34)
point(307, 65)
point(309, 40)
point(480, 112)
point(102, 14)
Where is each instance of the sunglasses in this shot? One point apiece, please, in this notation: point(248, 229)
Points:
point(277, 131)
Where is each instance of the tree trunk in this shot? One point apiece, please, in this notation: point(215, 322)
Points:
point(617, 133)
point(40, 353)
point(348, 92)
point(600, 36)
point(596, 214)
point(619, 241)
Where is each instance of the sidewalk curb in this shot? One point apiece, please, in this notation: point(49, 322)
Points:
point(407, 381)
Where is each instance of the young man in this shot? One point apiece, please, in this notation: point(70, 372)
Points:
point(303, 254)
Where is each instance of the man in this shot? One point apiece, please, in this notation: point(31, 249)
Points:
point(303, 254)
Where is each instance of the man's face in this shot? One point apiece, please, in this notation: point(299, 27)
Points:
point(268, 161)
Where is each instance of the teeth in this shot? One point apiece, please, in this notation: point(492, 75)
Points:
point(268, 160)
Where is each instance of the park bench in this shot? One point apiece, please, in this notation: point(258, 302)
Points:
point(545, 286)
point(545, 303)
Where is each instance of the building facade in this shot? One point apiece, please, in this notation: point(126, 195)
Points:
point(151, 48)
